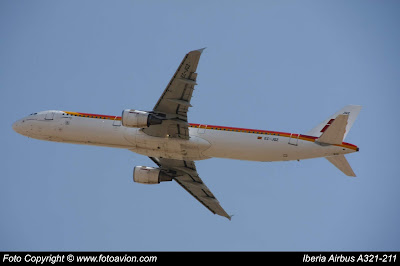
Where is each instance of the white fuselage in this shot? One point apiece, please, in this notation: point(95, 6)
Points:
point(204, 142)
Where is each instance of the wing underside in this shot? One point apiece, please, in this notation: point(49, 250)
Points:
point(174, 102)
point(185, 174)
point(173, 107)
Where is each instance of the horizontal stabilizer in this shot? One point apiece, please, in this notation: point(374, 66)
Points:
point(342, 164)
point(334, 133)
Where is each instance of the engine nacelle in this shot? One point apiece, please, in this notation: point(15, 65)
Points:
point(149, 175)
point(139, 119)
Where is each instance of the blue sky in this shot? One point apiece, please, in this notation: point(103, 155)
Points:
point(274, 65)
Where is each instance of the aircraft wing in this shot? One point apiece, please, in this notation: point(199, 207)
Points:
point(174, 102)
point(185, 174)
point(173, 106)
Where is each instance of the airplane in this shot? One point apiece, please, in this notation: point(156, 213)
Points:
point(173, 144)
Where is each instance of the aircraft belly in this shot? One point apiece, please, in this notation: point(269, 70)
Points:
point(254, 147)
point(171, 148)
point(210, 143)
point(86, 131)
point(240, 146)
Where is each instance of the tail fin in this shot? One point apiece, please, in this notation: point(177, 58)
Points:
point(334, 132)
point(349, 111)
point(342, 164)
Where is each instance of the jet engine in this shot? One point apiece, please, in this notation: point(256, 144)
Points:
point(139, 119)
point(149, 175)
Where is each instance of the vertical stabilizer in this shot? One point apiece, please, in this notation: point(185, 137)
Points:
point(342, 164)
point(351, 110)
point(334, 133)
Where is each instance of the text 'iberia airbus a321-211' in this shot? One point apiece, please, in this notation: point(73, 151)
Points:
point(165, 135)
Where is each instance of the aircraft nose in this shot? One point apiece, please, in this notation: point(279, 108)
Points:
point(17, 126)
